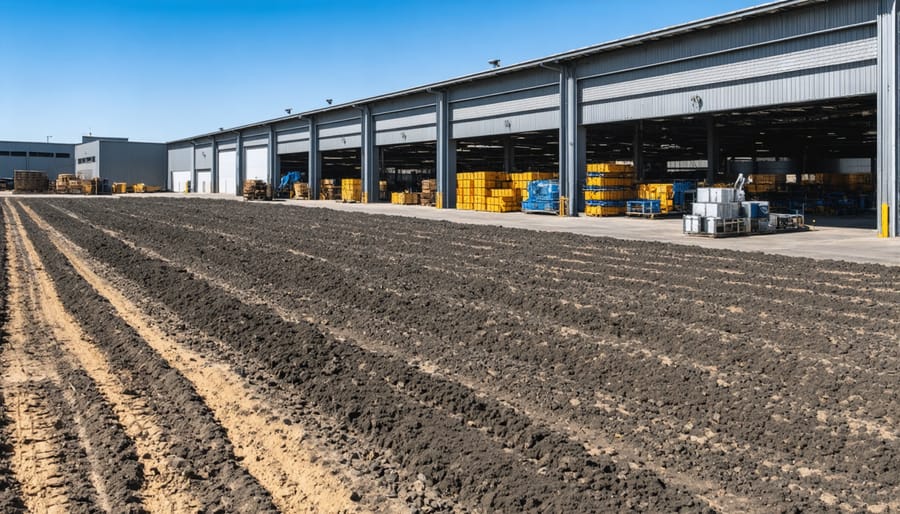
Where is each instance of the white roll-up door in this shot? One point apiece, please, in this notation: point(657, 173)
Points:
point(179, 180)
point(227, 167)
point(204, 182)
point(256, 162)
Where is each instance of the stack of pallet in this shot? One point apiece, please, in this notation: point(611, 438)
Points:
point(255, 190)
point(301, 191)
point(328, 190)
point(119, 188)
point(30, 181)
point(62, 182)
point(473, 189)
point(429, 192)
point(851, 183)
point(609, 186)
point(405, 198)
point(663, 193)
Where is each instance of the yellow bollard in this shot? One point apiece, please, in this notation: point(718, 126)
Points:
point(365, 197)
point(562, 205)
point(885, 220)
point(439, 200)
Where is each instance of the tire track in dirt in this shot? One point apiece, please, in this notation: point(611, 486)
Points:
point(196, 470)
point(47, 459)
point(10, 488)
point(531, 442)
point(271, 449)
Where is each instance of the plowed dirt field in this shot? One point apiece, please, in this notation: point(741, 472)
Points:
point(163, 355)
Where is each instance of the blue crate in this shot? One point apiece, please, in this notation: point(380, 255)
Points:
point(643, 206)
point(543, 190)
point(540, 206)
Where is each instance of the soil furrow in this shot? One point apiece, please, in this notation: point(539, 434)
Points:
point(271, 448)
point(195, 450)
point(347, 371)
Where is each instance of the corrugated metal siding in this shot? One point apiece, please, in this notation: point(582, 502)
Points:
point(508, 104)
point(406, 119)
point(203, 159)
point(256, 141)
point(404, 136)
point(835, 49)
point(179, 159)
point(503, 84)
point(404, 103)
point(787, 89)
point(821, 17)
point(340, 143)
point(300, 134)
point(545, 120)
point(293, 147)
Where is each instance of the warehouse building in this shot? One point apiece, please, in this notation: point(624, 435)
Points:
point(121, 160)
point(51, 158)
point(794, 87)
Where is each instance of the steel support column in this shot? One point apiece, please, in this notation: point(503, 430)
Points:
point(273, 159)
point(888, 114)
point(239, 165)
point(446, 154)
point(712, 151)
point(509, 155)
point(369, 155)
point(569, 134)
point(314, 164)
point(214, 166)
point(637, 150)
point(193, 187)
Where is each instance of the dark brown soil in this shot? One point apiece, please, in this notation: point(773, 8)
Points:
point(521, 371)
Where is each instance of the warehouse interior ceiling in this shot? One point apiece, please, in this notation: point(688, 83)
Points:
point(337, 164)
point(404, 167)
point(531, 151)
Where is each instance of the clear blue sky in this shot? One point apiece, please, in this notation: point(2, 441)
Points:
point(165, 69)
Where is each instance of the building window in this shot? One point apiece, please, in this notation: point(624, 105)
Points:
point(85, 160)
point(17, 154)
point(63, 156)
point(40, 154)
point(4, 154)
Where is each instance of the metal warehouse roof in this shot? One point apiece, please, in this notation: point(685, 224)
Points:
point(668, 32)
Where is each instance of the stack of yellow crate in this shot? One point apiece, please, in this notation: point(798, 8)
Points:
point(473, 189)
point(607, 189)
point(119, 188)
point(351, 190)
point(663, 192)
point(504, 200)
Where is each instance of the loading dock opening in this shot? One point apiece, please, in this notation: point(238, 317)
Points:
point(404, 167)
point(817, 159)
point(525, 151)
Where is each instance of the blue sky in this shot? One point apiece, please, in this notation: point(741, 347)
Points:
point(166, 69)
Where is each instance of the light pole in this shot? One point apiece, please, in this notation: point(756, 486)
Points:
point(48, 138)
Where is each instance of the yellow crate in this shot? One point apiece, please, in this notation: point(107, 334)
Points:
point(610, 181)
point(504, 193)
point(608, 196)
point(609, 167)
point(597, 211)
point(119, 187)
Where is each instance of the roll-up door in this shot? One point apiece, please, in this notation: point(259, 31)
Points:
point(227, 172)
point(204, 182)
point(180, 180)
point(257, 163)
